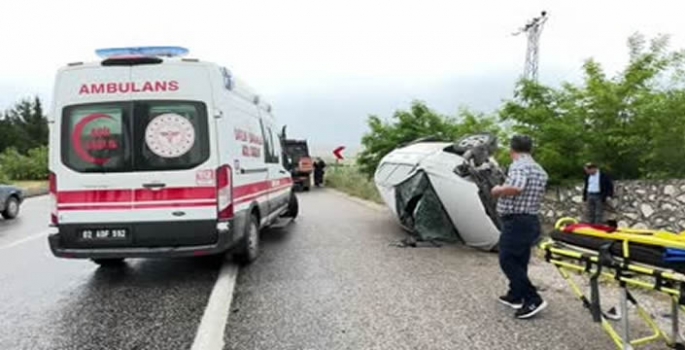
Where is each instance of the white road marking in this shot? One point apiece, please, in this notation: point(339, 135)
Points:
point(210, 333)
point(25, 240)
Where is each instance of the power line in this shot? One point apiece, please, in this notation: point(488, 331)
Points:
point(533, 29)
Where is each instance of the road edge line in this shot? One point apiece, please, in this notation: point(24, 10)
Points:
point(25, 240)
point(210, 332)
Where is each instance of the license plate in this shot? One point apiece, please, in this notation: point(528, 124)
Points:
point(104, 234)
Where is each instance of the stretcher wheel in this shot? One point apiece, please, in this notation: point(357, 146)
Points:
point(563, 222)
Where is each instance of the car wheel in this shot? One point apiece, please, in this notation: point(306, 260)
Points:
point(11, 208)
point(477, 140)
point(248, 248)
point(110, 262)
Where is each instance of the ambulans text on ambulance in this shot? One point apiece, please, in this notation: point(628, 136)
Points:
point(130, 87)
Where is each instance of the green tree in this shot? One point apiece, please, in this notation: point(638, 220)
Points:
point(24, 126)
point(631, 124)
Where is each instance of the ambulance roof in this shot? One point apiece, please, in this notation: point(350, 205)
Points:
point(164, 55)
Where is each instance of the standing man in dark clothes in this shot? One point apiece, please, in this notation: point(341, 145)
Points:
point(598, 187)
point(319, 170)
point(520, 200)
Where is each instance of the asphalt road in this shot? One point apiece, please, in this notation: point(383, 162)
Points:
point(334, 280)
point(50, 303)
point(331, 280)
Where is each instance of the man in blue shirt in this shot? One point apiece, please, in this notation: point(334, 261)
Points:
point(598, 187)
point(520, 200)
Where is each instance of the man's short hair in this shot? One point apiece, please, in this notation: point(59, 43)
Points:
point(590, 165)
point(521, 144)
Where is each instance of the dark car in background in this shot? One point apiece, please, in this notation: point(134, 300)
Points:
point(11, 198)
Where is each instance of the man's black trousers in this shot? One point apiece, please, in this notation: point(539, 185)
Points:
point(520, 232)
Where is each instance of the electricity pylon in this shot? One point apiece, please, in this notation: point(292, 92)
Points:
point(533, 29)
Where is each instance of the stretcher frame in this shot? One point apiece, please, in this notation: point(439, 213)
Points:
point(568, 258)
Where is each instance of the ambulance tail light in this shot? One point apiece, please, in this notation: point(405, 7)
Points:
point(53, 199)
point(224, 190)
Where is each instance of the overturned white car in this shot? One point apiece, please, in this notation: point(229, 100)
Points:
point(441, 191)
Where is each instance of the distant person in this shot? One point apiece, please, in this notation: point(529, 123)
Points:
point(518, 206)
point(598, 187)
point(319, 171)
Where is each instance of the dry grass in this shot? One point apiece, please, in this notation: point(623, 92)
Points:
point(32, 188)
point(348, 179)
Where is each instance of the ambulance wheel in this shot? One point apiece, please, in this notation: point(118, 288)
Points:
point(248, 248)
point(11, 208)
point(111, 262)
point(293, 207)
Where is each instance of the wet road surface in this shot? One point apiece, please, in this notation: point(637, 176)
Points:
point(50, 303)
point(332, 280)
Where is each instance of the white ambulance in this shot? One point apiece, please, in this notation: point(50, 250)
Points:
point(153, 154)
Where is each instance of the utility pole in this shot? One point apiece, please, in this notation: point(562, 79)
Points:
point(533, 29)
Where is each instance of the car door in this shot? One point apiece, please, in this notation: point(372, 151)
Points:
point(174, 139)
point(93, 171)
point(277, 194)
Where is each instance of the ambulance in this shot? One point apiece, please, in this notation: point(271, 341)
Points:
point(156, 155)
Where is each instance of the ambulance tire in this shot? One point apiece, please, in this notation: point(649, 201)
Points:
point(248, 247)
point(108, 263)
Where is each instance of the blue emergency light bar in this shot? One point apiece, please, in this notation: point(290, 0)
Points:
point(165, 51)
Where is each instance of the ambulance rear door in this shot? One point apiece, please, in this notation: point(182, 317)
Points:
point(175, 152)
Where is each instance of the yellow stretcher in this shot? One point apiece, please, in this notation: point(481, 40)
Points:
point(628, 272)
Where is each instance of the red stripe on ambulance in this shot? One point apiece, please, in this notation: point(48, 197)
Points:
point(165, 194)
point(94, 196)
point(145, 199)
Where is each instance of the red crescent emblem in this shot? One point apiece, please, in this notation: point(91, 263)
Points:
point(76, 139)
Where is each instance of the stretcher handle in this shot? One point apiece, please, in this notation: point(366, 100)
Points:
point(563, 222)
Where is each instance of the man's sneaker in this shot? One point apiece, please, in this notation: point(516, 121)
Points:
point(510, 301)
point(530, 309)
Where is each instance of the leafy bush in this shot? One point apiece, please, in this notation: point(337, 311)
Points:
point(33, 166)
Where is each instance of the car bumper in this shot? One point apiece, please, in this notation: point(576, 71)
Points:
point(63, 247)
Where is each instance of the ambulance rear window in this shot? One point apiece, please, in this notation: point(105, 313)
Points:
point(95, 138)
point(175, 135)
point(135, 136)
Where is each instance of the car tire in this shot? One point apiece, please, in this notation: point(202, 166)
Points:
point(109, 262)
point(293, 207)
point(476, 140)
point(248, 248)
point(11, 208)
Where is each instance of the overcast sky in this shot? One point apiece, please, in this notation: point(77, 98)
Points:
point(326, 65)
